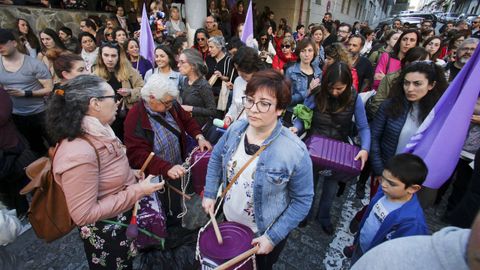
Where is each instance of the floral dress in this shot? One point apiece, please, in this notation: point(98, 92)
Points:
point(106, 245)
point(239, 206)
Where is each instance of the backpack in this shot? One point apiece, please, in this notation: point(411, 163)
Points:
point(48, 213)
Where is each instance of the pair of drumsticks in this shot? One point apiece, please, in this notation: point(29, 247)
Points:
point(212, 215)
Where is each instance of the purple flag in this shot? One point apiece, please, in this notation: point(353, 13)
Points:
point(247, 34)
point(440, 138)
point(147, 46)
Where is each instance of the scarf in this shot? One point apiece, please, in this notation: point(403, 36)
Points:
point(92, 126)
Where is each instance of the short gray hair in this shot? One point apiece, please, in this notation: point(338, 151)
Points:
point(218, 42)
point(158, 87)
point(195, 59)
point(468, 41)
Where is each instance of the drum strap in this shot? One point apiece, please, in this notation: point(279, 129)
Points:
point(242, 169)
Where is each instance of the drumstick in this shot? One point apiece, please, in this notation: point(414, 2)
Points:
point(215, 226)
point(238, 259)
point(178, 191)
point(147, 161)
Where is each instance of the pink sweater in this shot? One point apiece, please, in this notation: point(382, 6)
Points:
point(92, 196)
point(394, 66)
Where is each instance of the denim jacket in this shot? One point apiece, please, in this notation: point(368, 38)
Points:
point(283, 181)
point(300, 83)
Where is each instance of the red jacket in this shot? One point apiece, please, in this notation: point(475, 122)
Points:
point(139, 137)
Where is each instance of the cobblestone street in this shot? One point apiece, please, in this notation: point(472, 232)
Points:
point(307, 248)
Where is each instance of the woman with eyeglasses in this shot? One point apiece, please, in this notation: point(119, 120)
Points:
point(200, 42)
point(165, 66)
point(334, 104)
point(89, 51)
point(91, 167)
point(195, 91)
point(219, 64)
point(132, 49)
point(159, 124)
point(390, 62)
point(304, 76)
point(274, 192)
point(49, 40)
point(113, 66)
point(26, 34)
point(284, 54)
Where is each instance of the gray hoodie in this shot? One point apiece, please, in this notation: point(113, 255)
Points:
point(445, 249)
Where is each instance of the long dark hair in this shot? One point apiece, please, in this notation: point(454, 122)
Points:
point(200, 30)
point(67, 107)
point(337, 72)
point(171, 58)
point(396, 48)
point(58, 43)
point(435, 75)
point(30, 36)
point(435, 55)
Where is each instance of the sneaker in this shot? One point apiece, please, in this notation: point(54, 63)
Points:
point(348, 251)
point(353, 227)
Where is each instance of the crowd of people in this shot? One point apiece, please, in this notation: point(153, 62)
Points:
point(105, 108)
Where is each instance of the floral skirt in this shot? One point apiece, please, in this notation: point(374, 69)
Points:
point(106, 245)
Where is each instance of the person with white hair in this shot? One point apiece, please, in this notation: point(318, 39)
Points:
point(159, 124)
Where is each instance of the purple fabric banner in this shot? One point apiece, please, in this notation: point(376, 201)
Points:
point(440, 138)
point(147, 46)
point(247, 34)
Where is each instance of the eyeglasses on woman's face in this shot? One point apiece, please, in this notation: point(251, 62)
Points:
point(115, 97)
point(262, 105)
point(285, 46)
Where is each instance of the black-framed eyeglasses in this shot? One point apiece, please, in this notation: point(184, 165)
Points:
point(200, 39)
point(115, 97)
point(285, 46)
point(262, 106)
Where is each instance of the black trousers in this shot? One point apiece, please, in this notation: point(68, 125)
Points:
point(32, 127)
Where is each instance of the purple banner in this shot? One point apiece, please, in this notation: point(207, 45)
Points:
point(441, 137)
point(147, 46)
point(247, 34)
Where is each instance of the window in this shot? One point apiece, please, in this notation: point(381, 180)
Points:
point(356, 10)
point(343, 6)
point(318, 2)
point(348, 7)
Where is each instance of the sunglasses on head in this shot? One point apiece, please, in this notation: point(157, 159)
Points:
point(286, 46)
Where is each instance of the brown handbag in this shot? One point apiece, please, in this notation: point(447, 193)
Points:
point(48, 213)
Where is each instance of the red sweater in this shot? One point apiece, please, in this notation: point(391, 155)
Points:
point(139, 137)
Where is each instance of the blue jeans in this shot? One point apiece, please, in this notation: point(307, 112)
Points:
point(329, 190)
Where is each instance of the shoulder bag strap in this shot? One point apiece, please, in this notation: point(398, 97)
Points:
point(388, 64)
point(94, 148)
point(166, 125)
point(234, 179)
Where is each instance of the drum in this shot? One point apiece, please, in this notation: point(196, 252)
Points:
point(335, 155)
point(237, 238)
point(199, 170)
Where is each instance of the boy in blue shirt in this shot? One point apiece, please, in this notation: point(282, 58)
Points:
point(395, 210)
